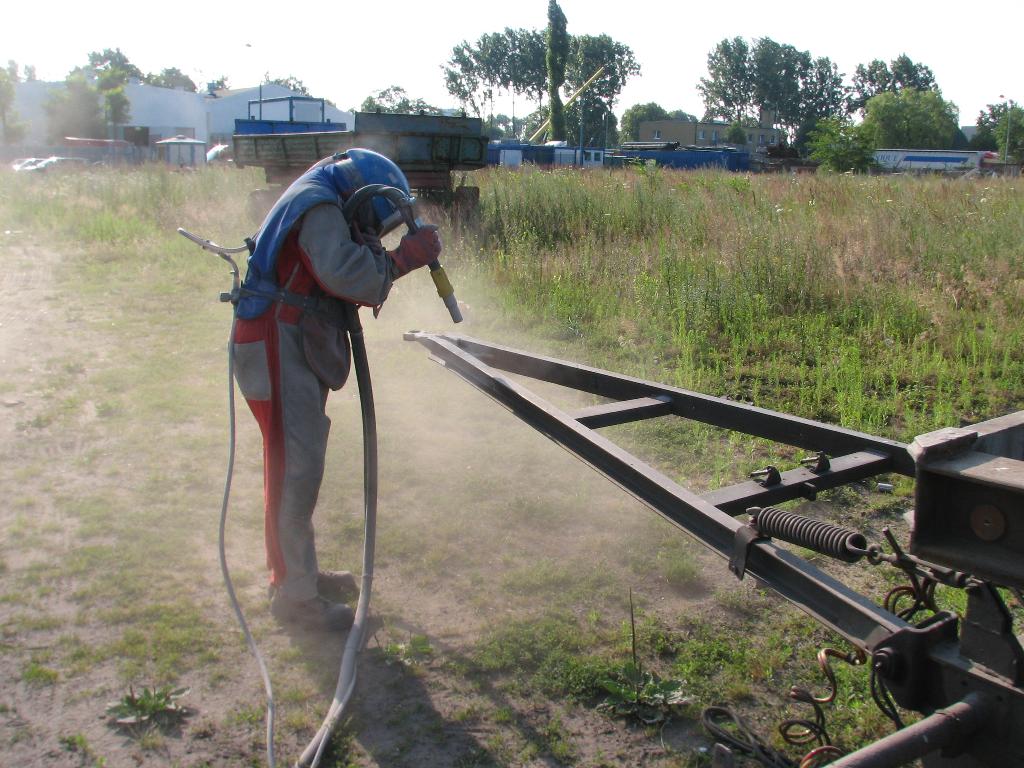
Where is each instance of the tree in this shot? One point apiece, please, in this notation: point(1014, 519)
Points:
point(878, 77)
point(499, 127)
point(777, 72)
point(906, 74)
point(587, 55)
point(797, 88)
point(476, 71)
point(394, 99)
point(728, 90)
point(737, 134)
point(822, 96)
point(462, 77)
point(113, 70)
point(992, 130)
point(528, 65)
point(678, 114)
point(172, 77)
point(911, 119)
point(12, 71)
point(75, 110)
point(529, 124)
point(290, 82)
point(116, 105)
point(515, 62)
point(841, 146)
point(557, 55)
point(640, 113)
point(13, 130)
point(30, 73)
point(220, 84)
point(114, 62)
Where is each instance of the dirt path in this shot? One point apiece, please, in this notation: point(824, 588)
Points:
point(35, 328)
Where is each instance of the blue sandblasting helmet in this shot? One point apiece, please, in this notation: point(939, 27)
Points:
point(359, 167)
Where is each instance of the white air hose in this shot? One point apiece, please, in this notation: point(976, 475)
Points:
point(226, 254)
point(347, 674)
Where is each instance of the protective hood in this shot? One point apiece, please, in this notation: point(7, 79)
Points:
point(320, 184)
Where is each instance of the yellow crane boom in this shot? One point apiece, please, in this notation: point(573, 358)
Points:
point(582, 88)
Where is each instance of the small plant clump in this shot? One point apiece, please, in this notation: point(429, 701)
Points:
point(415, 651)
point(639, 693)
point(149, 705)
point(79, 745)
point(643, 695)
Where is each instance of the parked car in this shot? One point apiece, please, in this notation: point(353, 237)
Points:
point(59, 162)
point(26, 163)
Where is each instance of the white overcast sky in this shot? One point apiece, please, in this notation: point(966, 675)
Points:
point(345, 51)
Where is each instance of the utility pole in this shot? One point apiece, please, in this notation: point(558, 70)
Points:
point(262, 77)
point(1006, 147)
point(581, 133)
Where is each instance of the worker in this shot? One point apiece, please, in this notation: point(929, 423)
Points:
point(291, 348)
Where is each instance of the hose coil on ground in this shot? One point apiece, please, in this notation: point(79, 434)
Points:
point(832, 540)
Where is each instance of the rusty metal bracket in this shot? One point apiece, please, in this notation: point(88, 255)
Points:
point(745, 536)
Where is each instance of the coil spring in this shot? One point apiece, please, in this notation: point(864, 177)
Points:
point(828, 539)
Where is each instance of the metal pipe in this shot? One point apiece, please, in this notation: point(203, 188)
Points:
point(832, 603)
point(942, 728)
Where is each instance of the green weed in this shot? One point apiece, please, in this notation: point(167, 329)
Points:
point(890, 317)
point(78, 744)
point(634, 692)
point(36, 673)
point(415, 651)
point(151, 704)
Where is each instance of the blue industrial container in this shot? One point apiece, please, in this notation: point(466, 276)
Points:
point(513, 153)
point(713, 157)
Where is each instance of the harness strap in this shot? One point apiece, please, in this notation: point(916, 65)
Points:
point(335, 311)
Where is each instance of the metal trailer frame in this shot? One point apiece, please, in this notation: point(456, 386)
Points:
point(965, 674)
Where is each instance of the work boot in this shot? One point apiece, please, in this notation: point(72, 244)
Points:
point(336, 585)
point(315, 614)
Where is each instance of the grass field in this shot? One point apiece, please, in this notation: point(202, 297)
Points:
point(504, 567)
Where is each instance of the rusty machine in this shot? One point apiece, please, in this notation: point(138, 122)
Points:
point(963, 674)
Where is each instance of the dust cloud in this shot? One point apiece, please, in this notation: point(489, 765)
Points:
point(480, 516)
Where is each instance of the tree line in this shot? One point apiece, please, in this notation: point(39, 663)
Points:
point(898, 103)
point(888, 104)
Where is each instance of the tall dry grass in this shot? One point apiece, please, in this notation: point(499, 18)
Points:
point(891, 304)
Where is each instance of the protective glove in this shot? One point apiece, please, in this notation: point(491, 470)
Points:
point(416, 250)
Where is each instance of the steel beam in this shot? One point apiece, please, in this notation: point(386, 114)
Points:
point(926, 666)
point(800, 483)
point(623, 412)
point(717, 411)
point(826, 599)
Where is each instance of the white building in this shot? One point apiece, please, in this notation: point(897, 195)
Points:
point(166, 112)
point(30, 107)
point(169, 112)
